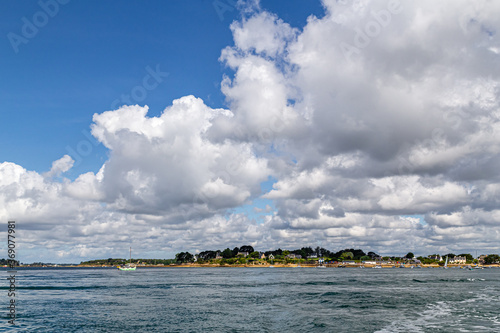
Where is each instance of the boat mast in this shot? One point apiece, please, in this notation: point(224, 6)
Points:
point(131, 255)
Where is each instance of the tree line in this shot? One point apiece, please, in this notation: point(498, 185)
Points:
point(237, 255)
point(120, 261)
point(7, 262)
point(304, 252)
point(320, 252)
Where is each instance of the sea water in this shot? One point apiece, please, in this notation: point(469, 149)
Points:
point(255, 300)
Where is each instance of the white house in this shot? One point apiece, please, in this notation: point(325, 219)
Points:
point(458, 260)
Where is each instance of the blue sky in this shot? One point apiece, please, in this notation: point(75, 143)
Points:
point(276, 124)
point(91, 53)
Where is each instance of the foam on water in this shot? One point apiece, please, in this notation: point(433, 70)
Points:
point(452, 317)
point(426, 319)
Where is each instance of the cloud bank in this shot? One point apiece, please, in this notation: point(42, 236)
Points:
point(380, 122)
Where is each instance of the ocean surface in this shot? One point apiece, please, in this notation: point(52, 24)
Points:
point(255, 300)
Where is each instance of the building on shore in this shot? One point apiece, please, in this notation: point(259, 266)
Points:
point(294, 256)
point(458, 260)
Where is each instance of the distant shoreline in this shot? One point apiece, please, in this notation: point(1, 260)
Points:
point(268, 266)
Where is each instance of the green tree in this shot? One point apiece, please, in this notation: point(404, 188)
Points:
point(304, 252)
point(246, 248)
point(206, 255)
point(347, 255)
point(425, 260)
point(227, 253)
point(184, 257)
point(410, 255)
point(364, 258)
point(492, 259)
point(254, 255)
point(358, 253)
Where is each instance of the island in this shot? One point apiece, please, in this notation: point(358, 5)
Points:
point(247, 256)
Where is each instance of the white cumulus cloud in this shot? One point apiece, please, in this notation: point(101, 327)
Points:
point(366, 116)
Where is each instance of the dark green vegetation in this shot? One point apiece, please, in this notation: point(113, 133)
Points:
point(6, 262)
point(246, 254)
point(492, 259)
point(119, 261)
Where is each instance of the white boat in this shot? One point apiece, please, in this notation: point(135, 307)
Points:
point(377, 266)
point(129, 266)
point(321, 264)
point(446, 263)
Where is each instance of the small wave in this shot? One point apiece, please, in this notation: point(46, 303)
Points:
point(474, 279)
point(446, 280)
point(456, 280)
point(425, 320)
point(331, 293)
point(56, 287)
point(321, 283)
point(75, 287)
